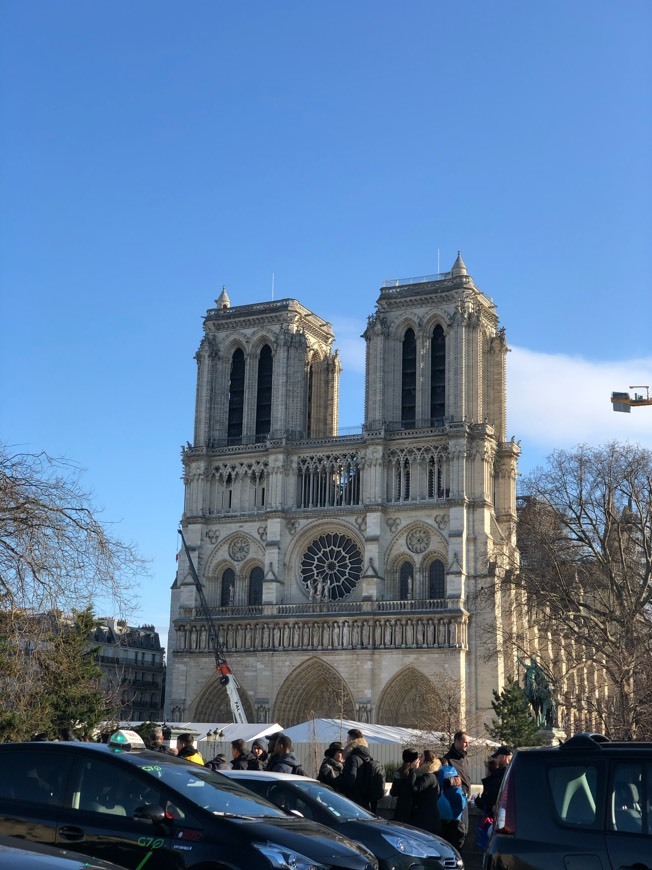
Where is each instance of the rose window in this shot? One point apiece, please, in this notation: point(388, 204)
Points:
point(331, 567)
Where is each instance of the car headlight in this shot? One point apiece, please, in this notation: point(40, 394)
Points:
point(409, 846)
point(286, 859)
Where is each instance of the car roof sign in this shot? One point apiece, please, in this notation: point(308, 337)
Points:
point(123, 740)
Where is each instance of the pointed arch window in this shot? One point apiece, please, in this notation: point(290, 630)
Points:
point(437, 376)
point(409, 381)
point(264, 394)
point(236, 397)
point(227, 598)
point(406, 581)
point(436, 580)
point(256, 586)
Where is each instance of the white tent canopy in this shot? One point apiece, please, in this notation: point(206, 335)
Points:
point(328, 730)
point(229, 730)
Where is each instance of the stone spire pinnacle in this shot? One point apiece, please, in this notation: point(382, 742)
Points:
point(459, 267)
point(223, 300)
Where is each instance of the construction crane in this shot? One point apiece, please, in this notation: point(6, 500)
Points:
point(624, 402)
point(221, 665)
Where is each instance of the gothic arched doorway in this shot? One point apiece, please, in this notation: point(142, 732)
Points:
point(313, 690)
point(212, 704)
point(409, 700)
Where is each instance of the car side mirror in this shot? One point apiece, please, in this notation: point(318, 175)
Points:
point(295, 813)
point(150, 813)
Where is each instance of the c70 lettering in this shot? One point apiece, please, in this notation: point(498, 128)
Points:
point(150, 843)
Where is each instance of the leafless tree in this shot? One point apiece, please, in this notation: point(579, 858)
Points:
point(55, 554)
point(585, 579)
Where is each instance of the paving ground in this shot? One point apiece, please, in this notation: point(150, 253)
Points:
point(472, 856)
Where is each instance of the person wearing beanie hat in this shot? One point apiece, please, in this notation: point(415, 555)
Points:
point(403, 785)
point(452, 805)
point(271, 742)
point(218, 763)
point(258, 761)
point(332, 765)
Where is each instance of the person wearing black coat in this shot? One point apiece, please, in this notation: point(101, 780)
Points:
point(350, 783)
point(218, 763)
point(497, 766)
point(332, 765)
point(457, 757)
point(258, 756)
point(402, 787)
point(241, 756)
point(425, 794)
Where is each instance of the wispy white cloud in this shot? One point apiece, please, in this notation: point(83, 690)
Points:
point(558, 401)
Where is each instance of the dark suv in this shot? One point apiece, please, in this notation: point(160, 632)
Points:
point(583, 805)
point(149, 811)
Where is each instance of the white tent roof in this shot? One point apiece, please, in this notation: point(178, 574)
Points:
point(230, 730)
point(328, 730)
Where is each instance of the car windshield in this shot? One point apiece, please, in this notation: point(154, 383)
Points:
point(339, 807)
point(209, 790)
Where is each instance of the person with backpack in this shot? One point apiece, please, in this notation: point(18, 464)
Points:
point(451, 805)
point(283, 759)
point(363, 778)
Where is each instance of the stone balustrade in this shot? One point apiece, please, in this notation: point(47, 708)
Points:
point(405, 631)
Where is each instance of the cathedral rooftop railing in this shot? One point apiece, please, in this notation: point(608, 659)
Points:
point(421, 279)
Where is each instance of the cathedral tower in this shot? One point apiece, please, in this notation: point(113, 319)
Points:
point(349, 575)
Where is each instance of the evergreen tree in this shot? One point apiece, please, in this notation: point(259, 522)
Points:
point(49, 676)
point(515, 725)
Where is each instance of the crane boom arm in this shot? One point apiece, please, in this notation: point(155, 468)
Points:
point(221, 665)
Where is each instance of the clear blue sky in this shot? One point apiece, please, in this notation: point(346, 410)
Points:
point(155, 150)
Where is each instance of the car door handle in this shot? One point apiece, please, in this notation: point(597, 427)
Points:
point(71, 832)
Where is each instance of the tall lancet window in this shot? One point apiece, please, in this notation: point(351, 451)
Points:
point(227, 597)
point(409, 381)
point(264, 394)
point(236, 397)
point(406, 582)
point(436, 580)
point(437, 376)
point(311, 377)
point(256, 578)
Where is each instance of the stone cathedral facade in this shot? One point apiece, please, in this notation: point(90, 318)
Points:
point(348, 575)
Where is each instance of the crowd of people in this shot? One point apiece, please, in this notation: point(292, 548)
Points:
point(431, 792)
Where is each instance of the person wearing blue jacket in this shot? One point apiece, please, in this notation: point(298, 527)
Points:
point(451, 804)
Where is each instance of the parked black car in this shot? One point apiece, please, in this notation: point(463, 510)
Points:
point(147, 810)
point(397, 846)
point(18, 854)
point(583, 805)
